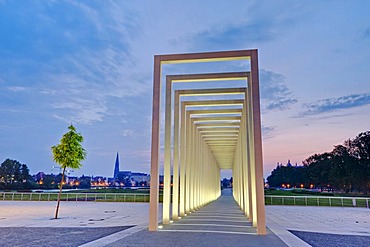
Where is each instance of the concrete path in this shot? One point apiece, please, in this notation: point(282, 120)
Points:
point(54, 236)
point(221, 216)
point(124, 224)
point(79, 223)
point(72, 214)
point(320, 226)
point(220, 223)
point(331, 220)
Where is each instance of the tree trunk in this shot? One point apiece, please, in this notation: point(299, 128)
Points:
point(60, 193)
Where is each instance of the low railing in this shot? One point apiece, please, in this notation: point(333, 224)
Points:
point(317, 201)
point(80, 197)
point(141, 197)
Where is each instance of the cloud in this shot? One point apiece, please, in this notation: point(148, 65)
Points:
point(17, 89)
point(331, 116)
point(81, 111)
point(128, 132)
point(142, 153)
point(267, 131)
point(335, 104)
point(85, 84)
point(274, 94)
point(48, 92)
point(234, 35)
point(113, 22)
point(253, 24)
point(367, 33)
point(79, 61)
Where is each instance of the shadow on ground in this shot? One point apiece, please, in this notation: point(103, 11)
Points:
point(332, 240)
point(54, 236)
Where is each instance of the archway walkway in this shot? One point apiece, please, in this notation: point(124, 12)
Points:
point(203, 136)
point(219, 223)
point(220, 216)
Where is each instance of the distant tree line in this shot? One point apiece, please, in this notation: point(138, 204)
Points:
point(14, 175)
point(345, 168)
point(227, 183)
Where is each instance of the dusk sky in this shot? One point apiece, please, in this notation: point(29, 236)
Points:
point(90, 63)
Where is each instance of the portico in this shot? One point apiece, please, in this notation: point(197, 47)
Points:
point(208, 135)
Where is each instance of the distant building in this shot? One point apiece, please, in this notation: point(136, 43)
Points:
point(72, 181)
point(128, 178)
point(140, 177)
point(39, 176)
point(99, 181)
point(116, 167)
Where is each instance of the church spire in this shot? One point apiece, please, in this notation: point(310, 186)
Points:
point(116, 167)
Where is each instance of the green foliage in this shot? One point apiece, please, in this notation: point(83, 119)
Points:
point(85, 182)
point(49, 182)
point(345, 168)
point(69, 152)
point(14, 175)
point(288, 175)
point(121, 178)
point(295, 192)
point(114, 190)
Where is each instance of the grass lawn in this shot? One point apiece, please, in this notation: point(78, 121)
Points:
point(300, 197)
point(113, 190)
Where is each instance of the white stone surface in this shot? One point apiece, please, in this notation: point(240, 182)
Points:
point(335, 220)
point(72, 214)
point(280, 219)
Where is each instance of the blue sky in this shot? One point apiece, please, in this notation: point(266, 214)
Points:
point(91, 62)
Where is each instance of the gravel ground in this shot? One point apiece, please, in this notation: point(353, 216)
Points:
point(333, 240)
point(56, 236)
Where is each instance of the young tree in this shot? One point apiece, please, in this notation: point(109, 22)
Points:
point(68, 154)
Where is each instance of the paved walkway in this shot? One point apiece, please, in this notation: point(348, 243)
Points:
point(95, 224)
point(320, 226)
point(222, 216)
point(220, 223)
point(124, 224)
